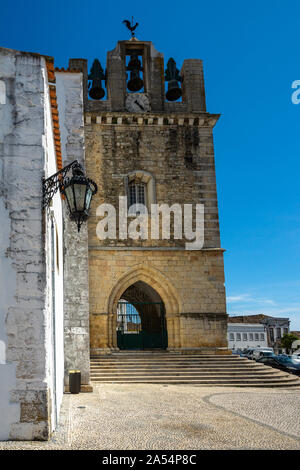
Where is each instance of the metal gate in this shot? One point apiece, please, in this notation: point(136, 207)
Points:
point(141, 325)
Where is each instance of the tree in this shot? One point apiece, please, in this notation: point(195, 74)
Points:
point(287, 340)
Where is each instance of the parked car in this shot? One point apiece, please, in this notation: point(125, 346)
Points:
point(296, 356)
point(258, 353)
point(249, 353)
point(244, 352)
point(283, 363)
point(237, 351)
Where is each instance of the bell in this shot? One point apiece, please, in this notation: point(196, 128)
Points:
point(134, 67)
point(96, 91)
point(172, 77)
point(135, 83)
point(96, 75)
point(174, 91)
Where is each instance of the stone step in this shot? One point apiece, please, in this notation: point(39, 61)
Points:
point(160, 365)
point(174, 366)
point(166, 356)
point(257, 373)
point(137, 354)
point(137, 363)
point(209, 370)
point(180, 369)
point(284, 386)
point(204, 381)
point(188, 378)
point(182, 373)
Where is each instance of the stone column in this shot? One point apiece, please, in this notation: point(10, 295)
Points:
point(69, 88)
point(193, 89)
point(116, 80)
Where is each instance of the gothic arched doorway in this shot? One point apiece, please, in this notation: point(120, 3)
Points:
point(141, 322)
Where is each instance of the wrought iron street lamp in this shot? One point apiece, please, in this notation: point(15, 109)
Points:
point(78, 191)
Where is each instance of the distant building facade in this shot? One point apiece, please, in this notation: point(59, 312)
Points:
point(246, 335)
point(275, 327)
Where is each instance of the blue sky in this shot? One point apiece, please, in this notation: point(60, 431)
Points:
point(251, 57)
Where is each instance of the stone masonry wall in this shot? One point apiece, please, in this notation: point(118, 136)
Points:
point(192, 279)
point(180, 158)
point(69, 91)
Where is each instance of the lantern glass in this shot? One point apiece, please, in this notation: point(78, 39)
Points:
point(79, 191)
point(70, 198)
point(88, 198)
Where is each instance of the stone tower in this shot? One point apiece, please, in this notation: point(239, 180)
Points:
point(153, 151)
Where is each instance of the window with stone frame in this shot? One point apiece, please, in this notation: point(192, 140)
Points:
point(278, 333)
point(140, 189)
point(250, 336)
point(256, 336)
point(137, 193)
point(262, 336)
point(231, 336)
point(238, 336)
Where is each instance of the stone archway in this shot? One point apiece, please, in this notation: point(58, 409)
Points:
point(141, 322)
point(164, 289)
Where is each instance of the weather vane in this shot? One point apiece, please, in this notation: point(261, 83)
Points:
point(131, 27)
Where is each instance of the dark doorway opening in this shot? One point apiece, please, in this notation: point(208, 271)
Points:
point(141, 322)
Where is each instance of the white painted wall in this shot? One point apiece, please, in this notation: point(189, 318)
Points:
point(238, 330)
point(2, 92)
point(9, 412)
point(26, 328)
point(54, 270)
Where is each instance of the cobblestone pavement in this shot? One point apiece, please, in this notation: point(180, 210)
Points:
point(287, 406)
point(175, 417)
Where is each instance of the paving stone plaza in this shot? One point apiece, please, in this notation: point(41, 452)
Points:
point(158, 417)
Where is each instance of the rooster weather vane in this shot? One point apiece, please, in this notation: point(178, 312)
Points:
point(130, 26)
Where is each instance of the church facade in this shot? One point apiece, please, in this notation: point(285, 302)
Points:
point(149, 147)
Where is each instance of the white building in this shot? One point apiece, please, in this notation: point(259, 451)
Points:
point(31, 252)
point(246, 335)
point(275, 327)
point(44, 290)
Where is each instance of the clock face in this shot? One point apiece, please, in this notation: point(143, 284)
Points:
point(137, 103)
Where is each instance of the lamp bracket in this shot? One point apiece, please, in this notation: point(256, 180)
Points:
point(54, 183)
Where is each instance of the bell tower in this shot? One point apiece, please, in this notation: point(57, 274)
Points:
point(148, 137)
point(137, 67)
